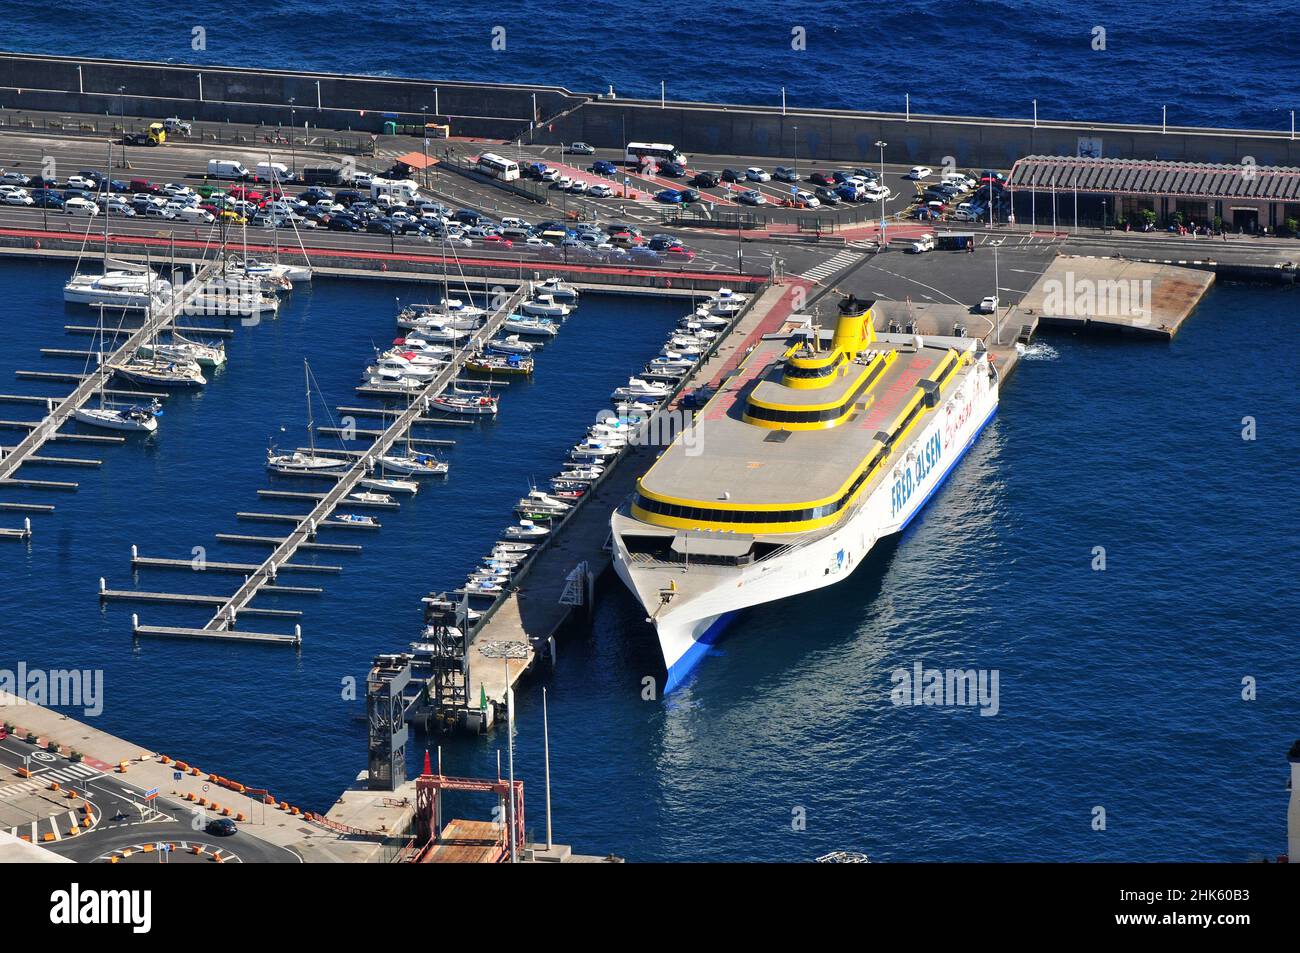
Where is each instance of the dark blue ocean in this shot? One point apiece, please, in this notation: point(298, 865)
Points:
point(1212, 64)
point(1119, 689)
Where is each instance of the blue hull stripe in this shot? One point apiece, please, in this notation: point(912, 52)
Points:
point(678, 671)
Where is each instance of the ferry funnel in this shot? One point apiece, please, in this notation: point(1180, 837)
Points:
point(854, 331)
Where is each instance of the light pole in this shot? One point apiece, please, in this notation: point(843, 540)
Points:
point(997, 301)
point(796, 152)
point(293, 152)
point(121, 117)
point(880, 144)
point(424, 137)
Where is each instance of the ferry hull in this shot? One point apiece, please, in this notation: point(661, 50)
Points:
point(697, 618)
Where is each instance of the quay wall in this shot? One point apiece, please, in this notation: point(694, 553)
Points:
point(504, 111)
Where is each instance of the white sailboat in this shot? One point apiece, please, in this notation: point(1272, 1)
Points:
point(297, 463)
point(116, 417)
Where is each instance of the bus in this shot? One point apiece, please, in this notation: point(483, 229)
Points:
point(494, 165)
point(640, 154)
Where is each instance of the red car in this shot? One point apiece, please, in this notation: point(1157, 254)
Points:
point(496, 241)
point(679, 253)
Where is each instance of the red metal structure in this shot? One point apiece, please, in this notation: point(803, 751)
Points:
point(428, 810)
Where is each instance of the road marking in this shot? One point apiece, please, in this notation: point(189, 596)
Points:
point(831, 266)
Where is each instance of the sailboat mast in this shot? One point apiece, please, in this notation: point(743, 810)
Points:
point(311, 425)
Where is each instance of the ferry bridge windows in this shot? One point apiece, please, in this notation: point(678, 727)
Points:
point(794, 372)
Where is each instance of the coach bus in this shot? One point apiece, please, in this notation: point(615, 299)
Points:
point(494, 165)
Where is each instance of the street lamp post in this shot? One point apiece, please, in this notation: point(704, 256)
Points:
point(424, 138)
point(121, 117)
point(293, 152)
point(796, 152)
point(880, 144)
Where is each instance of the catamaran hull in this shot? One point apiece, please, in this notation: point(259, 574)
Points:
point(688, 625)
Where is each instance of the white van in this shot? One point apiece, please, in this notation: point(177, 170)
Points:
point(226, 169)
point(272, 171)
point(195, 215)
point(401, 190)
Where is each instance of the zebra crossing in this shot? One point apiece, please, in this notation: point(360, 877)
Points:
point(832, 265)
point(70, 774)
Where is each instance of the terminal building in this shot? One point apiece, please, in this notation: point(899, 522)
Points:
point(1058, 190)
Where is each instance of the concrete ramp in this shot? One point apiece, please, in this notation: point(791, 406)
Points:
point(1113, 294)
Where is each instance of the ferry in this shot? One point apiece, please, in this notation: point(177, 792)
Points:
point(802, 461)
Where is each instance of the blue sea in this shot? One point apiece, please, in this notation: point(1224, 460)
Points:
point(1212, 64)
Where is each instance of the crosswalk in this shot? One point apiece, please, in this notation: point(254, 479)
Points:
point(833, 265)
point(70, 774)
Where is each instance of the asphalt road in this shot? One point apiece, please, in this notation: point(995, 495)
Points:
point(124, 818)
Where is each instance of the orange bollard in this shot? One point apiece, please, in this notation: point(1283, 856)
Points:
point(240, 816)
point(54, 786)
point(203, 802)
point(47, 837)
point(72, 795)
point(87, 822)
point(225, 812)
point(196, 849)
point(113, 859)
point(121, 767)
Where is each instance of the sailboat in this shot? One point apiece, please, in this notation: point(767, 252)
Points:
point(122, 285)
point(159, 371)
point(297, 463)
point(183, 349)
point(113, 417)
point(412, 462)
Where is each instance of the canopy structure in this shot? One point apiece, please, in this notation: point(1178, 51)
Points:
point(416, 160)
point(1190, 180)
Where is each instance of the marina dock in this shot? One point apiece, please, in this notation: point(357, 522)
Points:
point(306, 526)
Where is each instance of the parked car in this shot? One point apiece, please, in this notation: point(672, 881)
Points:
point(755, 174)
point(731, 175)
point(343, 223)
point(827, 194)
point(751, 197)
point(785, 174)
point(679, 253)
point(580, 149)
point(44, 198)
point(600, 191)
point(821, 178)
point(221, 827)
point(919, 172)
point(988, 304)
point(674, 170)
point(604, 167)
point(706, 180)
point(15, 178)
point(690, 195)
point(671, 196)
point(497, 242)
point(80, 206)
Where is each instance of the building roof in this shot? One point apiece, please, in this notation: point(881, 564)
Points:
point(1156, 177)
point(416, 160)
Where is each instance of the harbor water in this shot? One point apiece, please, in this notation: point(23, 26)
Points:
point(1119, 688)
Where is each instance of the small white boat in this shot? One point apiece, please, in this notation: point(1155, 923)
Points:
point(535, 327)
point(665, 363)
point(706, 319)
point(414, 464)
point(451, 312)
point(537, 503)
point(424, 350)
point(691, 352)
point(576, 473)
point(512, 547)
point(726, 302)
point(544, 306)
point(480, 405)
point(594, 448)
point(483, 575)
point(398, 366)
point(525, 529)
point(557, 289)
point(439, 333)
point(392, 381)
point(473, 587)
point(382, 499)
point(353, 519)
point(637, 388)
point(392, 486)
point(511, 344)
